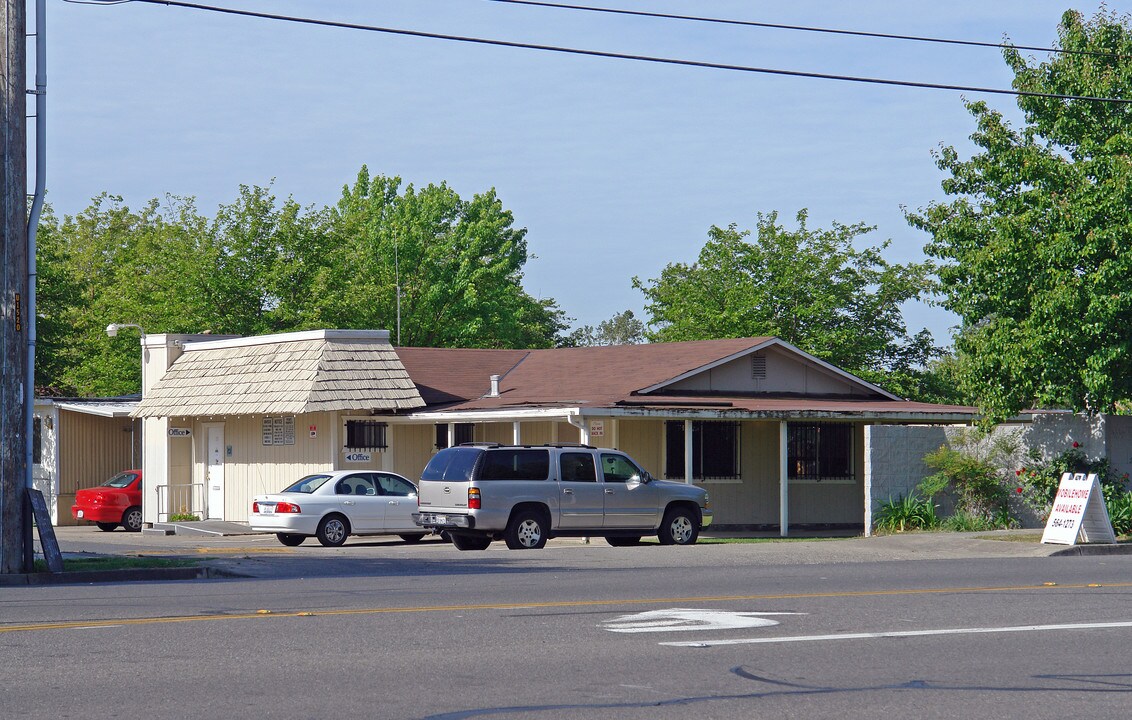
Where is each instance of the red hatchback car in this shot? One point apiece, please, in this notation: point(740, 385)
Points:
point(115, 502)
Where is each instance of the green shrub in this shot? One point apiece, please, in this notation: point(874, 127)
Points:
point(183, 517)
point(1043, 479)
point(906, 513)
point(1040, 482)
point(966, 522)
point(1120, 512)
point(974, 482)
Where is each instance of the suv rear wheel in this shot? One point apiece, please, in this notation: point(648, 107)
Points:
point(527, 530)
point(679, 527)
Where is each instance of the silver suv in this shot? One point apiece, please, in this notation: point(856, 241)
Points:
point(527, 494)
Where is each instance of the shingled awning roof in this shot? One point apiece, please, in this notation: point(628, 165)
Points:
point(289, 374)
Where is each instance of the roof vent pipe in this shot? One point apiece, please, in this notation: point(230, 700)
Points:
point(494, 392)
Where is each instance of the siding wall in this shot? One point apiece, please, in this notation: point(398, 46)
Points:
point(412, 447)
point(92, 449)
point(253, 468)
point(754, 499)
point(832, 503)
point(641, 439)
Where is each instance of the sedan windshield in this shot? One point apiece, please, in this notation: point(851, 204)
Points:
point(308, 484)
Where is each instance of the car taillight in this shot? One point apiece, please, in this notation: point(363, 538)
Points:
point(473, 498)
point(286, 507)
point(255, 507)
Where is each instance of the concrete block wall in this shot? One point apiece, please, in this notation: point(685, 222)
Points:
point(894, 454)
point(894, 462)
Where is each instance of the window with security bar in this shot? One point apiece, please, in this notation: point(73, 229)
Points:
point(465, 433)
point(366, 434)
point(820, 451)
point(37, 441)
point(715, 450)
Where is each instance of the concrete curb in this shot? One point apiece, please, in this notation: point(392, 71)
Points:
point(1097, 549)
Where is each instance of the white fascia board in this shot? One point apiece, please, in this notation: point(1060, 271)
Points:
point(761, 346)
point(339, 335)
point(100, 409)
point(480, 416)
point(922, 418)
point(461, 416)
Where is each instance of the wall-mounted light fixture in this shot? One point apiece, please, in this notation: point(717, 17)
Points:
point(113, 328)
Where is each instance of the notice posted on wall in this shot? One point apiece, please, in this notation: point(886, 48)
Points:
point(1079, 513)
point(279, 430)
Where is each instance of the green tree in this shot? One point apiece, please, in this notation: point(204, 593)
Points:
point(56, 293)
point(458, 265)
point(624, 328)
point(110, 264)
point(1033, 250)
point(812, 288)
point(262, 266)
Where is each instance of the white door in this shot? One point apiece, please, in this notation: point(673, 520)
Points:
point(215, 474)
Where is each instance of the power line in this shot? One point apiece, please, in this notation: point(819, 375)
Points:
point(804, 28)
point(612, 55)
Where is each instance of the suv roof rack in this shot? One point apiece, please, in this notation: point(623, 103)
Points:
point(569, 445)
point(487, 444)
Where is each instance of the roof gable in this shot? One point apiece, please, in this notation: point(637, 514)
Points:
point(772, 367)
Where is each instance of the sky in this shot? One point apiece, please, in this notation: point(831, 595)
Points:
point(616, 168)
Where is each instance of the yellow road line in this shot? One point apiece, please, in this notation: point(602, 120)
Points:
point(89, 624)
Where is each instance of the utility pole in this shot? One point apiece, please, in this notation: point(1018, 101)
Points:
point(14, 518)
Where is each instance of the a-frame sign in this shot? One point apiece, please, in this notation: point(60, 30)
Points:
point(1079, 513)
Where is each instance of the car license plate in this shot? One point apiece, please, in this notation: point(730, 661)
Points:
point(80, 513)
point(440, 519)
point(266, 509)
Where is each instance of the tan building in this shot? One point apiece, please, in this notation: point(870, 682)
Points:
point(80, 443)
point(775, 434)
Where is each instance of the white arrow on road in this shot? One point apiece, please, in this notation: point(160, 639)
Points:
point(681, 619)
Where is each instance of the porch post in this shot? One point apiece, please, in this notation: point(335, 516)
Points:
point(615, 439)
point(783, 481)
point(516, 436)
point(868, 467)
point(451, 434)
point(688, 466)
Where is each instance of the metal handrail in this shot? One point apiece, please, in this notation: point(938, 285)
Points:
point(180, 500)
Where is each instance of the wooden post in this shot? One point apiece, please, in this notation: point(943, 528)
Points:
point(15, 523)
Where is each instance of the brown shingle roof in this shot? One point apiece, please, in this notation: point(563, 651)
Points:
point(449, 375)
point(613, 376)
point(559, 375)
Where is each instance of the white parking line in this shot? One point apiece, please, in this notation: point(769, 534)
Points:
point(897, 634)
